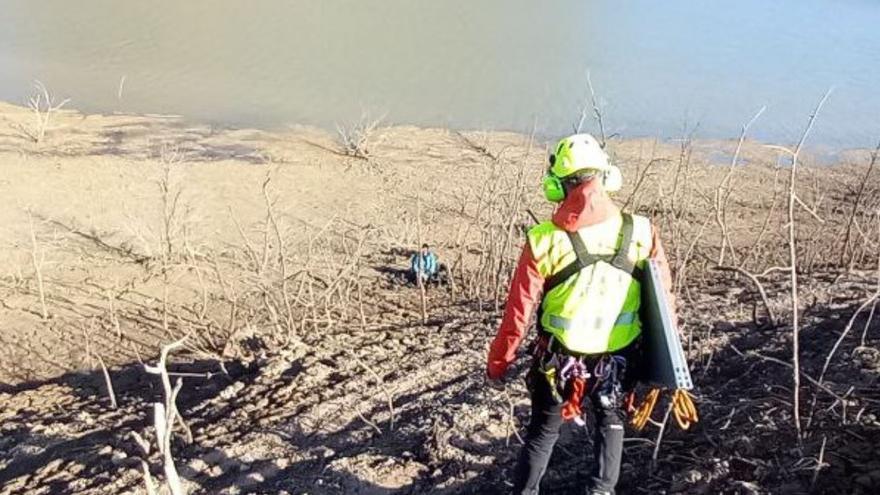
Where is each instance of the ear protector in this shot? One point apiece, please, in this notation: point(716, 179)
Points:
point(553, 190)
point(612, 179)
point(552, 185)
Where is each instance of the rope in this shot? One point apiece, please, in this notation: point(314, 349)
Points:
point(643, 412)
point(683, 409)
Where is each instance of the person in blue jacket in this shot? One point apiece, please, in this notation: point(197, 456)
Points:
point(423, 265)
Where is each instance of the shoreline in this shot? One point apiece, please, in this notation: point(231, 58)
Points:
point(16, 116)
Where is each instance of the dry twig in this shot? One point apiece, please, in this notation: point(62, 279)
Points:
point(792, 247)
point(37, 262)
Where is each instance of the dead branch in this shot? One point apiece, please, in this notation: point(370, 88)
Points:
point(282, 260)
point(170, 197)
point(792, 247)
point(724, 189)
point(870, 319)
point(642, 176)
point(597, 113)
point(659, 439)
point(788, 365)
point(820, 463)
point(108, 383)
point(249, 248)
point(870, 301)
point(856, 202)
point(811, 211)
point(379, 383)
point(767, 218)
point(145, 466)
point(512, 214)
point(166, 415)
point(470, 143)
point(754, 278)
point(37, 262)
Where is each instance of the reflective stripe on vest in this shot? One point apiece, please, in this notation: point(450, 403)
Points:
point(596, 310)
point(565, 324)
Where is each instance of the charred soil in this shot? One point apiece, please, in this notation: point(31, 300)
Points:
point(311, 367)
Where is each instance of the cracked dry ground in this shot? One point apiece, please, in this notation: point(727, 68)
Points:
point(399, 406)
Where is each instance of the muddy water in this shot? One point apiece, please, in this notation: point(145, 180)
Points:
point(499, 64)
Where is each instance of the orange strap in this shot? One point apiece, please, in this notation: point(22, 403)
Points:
point(572, 407)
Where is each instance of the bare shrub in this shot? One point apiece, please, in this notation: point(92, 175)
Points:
point(44, 106)
point(357, 137)
point(857, 200)
point(173, 213)
point(492, 211)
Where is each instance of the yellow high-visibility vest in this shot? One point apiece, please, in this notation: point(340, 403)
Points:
point(596, 310)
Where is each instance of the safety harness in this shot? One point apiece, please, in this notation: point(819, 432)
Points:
point(584, 259)
point(571, 377)
point(567, 374)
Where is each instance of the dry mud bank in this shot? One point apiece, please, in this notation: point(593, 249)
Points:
point(309, 367)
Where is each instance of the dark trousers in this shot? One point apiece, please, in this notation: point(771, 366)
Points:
point(543, 431)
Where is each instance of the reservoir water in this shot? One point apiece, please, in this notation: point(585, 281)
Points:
point(657, 66)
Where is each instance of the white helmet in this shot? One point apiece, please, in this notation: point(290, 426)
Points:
point(583, 152)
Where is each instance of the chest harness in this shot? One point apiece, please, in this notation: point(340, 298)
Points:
point(568, 374)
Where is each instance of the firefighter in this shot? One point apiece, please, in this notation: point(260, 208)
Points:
point(581, 273)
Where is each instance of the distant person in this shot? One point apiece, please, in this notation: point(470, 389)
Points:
point(587, 263)
point(423, 266)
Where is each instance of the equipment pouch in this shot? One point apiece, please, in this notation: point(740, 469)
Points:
point(549, 372)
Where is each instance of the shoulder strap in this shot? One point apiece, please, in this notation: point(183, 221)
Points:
point(619, 260)
point(583, 260)
point(622, 260)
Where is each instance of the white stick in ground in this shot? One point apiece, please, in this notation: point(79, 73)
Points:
point(164, 417)
point(37, 259)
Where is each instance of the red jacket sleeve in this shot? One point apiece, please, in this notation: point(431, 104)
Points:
point(524, 295)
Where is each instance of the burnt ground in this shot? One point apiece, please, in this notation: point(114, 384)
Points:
point(315, 417)
point(365, 396)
